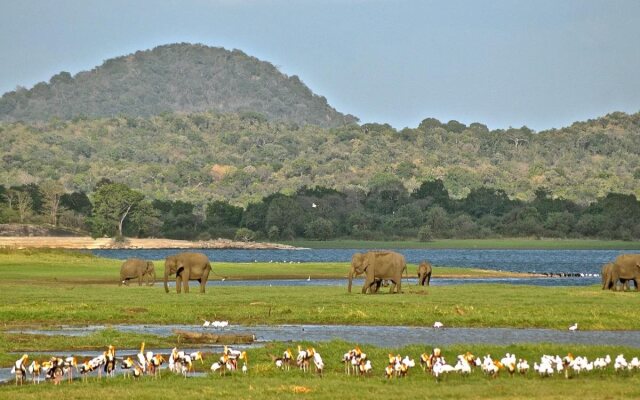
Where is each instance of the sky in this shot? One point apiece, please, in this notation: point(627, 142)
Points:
point(543, 63)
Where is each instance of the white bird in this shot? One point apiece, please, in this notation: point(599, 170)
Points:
point(309, 278)
point(206, 324)
point(314, 205)
point(574, 327)
point(438, 324)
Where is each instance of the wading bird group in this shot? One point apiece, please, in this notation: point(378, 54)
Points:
point(355, 362)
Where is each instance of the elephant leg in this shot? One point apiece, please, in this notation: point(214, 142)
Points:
point(178, 283)
point(367, 284)
point(140, 279)
point(428, 279)
point(185, 280)
point(203, 280)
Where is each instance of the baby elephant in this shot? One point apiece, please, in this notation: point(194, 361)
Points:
point(424, 273)
point(137, 268)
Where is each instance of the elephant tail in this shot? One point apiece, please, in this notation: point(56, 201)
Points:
point(406, 273)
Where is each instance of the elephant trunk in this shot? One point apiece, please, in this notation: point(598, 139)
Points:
point(166, 279)
point(350, 280)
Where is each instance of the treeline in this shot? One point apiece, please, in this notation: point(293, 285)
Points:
point(387, 211)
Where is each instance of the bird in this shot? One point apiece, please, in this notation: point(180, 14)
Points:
point(142, 360)
point(574, 327)
point(206, 324)
point(20, 369)
point(314, 205)
point(309, 278)
point(127, 365)
point(438, 324)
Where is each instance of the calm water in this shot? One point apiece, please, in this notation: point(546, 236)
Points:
point(586, 262)
point(384, 336)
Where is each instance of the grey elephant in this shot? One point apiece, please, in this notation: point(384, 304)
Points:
point(625, 267)
point(186, 267)
point(424, 273)
point(137, 268)
point(607, 282)
point(377, 266)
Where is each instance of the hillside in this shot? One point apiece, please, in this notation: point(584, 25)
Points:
point(173, 78)
point(241, 158)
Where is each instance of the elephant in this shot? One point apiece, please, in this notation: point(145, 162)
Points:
point(137, 268)
point(424, 273)
point(625, 267)
point(377, 266)
point(607, 282)
point(186, 267)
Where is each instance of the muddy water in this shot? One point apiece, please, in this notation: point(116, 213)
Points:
point(384, 336)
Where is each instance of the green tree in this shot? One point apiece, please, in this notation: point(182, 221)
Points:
point(78, 202)
point(286, 214)
point(434, 192)
point(319, 228)
point(221, 213)
point(113, 204)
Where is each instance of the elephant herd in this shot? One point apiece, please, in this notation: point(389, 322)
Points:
point(185, 266)
point(376, 266)
point(624, 269)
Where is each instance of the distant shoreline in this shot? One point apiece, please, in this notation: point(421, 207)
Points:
point(88, 243)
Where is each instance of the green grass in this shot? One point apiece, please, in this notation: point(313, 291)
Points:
point(49, 288)
point(508, 243)
point(69, 288)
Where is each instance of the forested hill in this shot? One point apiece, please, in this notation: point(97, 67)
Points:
point(175, 78)
point(240, 158)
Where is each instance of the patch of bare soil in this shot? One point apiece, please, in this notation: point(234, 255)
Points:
point(85, 242)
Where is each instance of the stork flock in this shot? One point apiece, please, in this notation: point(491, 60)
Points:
point(355, 361)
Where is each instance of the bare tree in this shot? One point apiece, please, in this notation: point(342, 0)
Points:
point(53, 192)
point(24, 204)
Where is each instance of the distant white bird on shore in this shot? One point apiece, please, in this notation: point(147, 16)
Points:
point(206, 323)
point(438, 324)
point(574, 327)
point(309, 278)
point(314, 205)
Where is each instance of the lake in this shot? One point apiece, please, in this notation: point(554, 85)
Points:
point(538, 261)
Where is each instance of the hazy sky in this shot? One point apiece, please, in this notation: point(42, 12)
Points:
point(503, 63)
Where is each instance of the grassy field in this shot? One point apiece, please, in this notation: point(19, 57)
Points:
point(48, 288)
point(508, 243)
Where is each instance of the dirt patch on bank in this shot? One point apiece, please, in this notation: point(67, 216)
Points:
point(88, 243)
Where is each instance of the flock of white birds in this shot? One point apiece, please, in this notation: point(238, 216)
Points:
point(356, 362)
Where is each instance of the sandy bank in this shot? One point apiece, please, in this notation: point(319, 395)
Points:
point(24, 242)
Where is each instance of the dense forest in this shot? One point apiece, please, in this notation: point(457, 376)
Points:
point(386, 211)
point(178, 77)
point(242, 158)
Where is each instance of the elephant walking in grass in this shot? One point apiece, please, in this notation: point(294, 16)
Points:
point(137, 268)
point(626, 267)
point(378, 265)
point(186, 267)
point(424, 273)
